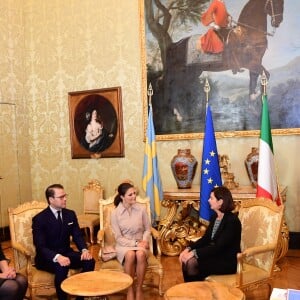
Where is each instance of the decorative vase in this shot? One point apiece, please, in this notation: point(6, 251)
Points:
point(184, 166)
point(251, 164)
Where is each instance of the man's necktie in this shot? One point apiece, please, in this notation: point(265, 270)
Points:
point(59, 219)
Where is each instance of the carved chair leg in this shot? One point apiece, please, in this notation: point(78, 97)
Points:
point(91, 234)
point(160, 285)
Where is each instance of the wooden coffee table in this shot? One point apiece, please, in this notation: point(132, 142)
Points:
point(199, 290)
point(96, 283)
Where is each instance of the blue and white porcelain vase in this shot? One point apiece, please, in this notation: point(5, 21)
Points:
point(184, 166)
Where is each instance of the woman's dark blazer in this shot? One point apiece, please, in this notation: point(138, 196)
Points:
point(218, 255)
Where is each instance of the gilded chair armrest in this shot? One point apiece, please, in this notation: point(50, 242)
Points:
point(250, 252)
point(100, 236)
point(100, 240)
point(256, 250)
point(155, 233)
point(19, 247)
point(156, 236)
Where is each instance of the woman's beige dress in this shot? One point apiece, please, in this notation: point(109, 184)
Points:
point(129, 227)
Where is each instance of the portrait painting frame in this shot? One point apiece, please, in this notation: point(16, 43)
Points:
point(96, 123)
point(159, 114)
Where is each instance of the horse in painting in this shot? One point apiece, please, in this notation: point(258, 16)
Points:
point(245, 45)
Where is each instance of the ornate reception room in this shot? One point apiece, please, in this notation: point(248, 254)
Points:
point(130, 68)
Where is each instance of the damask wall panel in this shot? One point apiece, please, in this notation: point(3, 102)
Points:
point(54, 47)
point(78, 46)
point(12, 92)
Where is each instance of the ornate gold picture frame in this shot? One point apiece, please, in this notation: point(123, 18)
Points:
point(96, 123)
point(169, 62)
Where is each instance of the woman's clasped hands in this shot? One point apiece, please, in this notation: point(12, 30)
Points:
point(185, 255)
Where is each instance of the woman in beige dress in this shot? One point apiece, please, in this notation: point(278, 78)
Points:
point(131, 227)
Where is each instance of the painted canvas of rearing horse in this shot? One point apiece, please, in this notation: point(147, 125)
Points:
point(177, 68)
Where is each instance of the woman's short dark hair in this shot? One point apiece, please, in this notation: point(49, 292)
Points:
point(222, 192)
point(122, 189)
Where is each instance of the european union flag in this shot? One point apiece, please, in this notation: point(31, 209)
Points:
point(151, 178)
point(210, 170)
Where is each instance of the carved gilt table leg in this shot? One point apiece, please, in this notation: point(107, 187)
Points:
point(178, 228)
point(169, 245)
point(283, 244)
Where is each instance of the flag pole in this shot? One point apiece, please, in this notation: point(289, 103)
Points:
point(151, 178)
point(206, 90)
point(210, 169)
point(150, 94)
point(264, 82)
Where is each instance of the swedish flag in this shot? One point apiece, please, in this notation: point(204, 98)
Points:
point(151, 178)
point(210, 170)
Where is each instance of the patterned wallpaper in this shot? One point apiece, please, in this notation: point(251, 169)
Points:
point(15, 186)
point(54, 47)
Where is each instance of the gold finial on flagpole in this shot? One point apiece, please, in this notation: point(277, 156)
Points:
point(264, 82)
point(206, 90)
point(150, 94)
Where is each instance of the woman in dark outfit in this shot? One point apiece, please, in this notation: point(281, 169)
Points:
point(215, 252)
point(13, 286)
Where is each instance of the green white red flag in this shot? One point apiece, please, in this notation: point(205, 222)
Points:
point(267, 185)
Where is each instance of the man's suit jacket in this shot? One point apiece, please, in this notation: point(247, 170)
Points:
point(49, 240)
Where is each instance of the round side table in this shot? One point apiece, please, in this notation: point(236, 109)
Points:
point(203, 290)
point(96, 283)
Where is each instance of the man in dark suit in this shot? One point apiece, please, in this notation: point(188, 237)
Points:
point(52, 229)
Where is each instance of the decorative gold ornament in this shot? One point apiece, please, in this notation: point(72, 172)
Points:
point(227, 177)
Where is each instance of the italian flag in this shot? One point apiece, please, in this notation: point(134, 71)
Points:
point(267, 186)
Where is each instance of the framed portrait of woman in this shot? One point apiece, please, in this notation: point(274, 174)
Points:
point(96, 124)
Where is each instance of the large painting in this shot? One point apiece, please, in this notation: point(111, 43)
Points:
point(261, 37)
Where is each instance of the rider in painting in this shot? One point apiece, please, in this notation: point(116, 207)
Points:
point(218, 19)
point(217, 37)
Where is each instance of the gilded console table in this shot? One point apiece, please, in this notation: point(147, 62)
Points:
point(181, 222)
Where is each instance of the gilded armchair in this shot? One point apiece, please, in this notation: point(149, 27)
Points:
point(92, 192)
point(20, 222)
point(106, 238)
point(261, 228)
